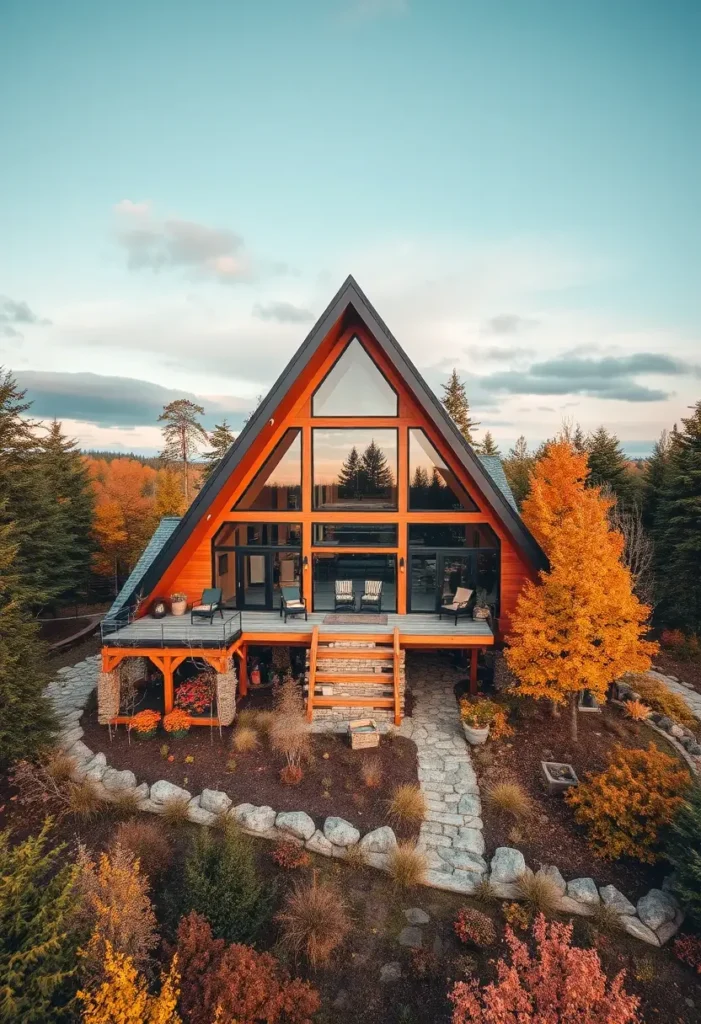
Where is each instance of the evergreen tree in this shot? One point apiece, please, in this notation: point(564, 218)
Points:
point(221, 439)
point(182, 435)
point(169, 495)
point(377, 474)
point(677, 533)
point(68, 480)
point(489, 445)
point(607, 464)
point(38, 939)
point(684, 854)
point(518, 467)
point(351, 479)
point(655, 477)
point(457, 406)
point(25, 717)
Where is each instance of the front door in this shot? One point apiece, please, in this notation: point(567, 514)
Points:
point(434, 577)
point(261, 574)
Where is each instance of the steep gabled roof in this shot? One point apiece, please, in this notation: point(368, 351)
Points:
point(348, 296)
point(161, 535)
point(495, 468)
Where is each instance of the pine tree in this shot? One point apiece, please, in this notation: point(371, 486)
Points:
point(607, 463)
point(351, 479)
point(489, 445)
point(683, 851)
point(170, 500)
point(655, 477)
point(376, 473)
point(221, 439)
point(518, 467)
point(26, 722)
point(182, 435)
point(458, 407)
point(677, 533)
point(38, 938)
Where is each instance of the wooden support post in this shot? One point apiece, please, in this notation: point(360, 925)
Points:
point(473, 670)
point(168, 671)
point(243, 669)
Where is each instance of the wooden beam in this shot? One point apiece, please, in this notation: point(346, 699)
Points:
point(473, 670)
point(242, 654)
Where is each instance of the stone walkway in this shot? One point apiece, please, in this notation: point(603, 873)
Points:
point(690, 696)
point(451, 837)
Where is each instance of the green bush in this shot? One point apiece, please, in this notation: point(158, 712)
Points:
point(220, 880)
point(38, 940)
point(684, 853)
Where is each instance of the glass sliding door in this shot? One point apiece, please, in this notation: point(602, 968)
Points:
point(253, 580)
point(358, 569)
point(422, 583)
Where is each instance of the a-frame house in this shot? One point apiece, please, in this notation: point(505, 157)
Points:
point(349, 491)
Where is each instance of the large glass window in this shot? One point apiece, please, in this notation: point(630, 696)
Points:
point(356, 535)
point(234, 535)
point(355, 470)
point(449, 535)
point(278, 485)
point(463, 555)
point(432, 484)
point(359, 569)
point(354, 387)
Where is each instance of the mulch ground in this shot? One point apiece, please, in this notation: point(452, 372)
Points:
point(332, 783)
point(689, 671)
point(551, 835)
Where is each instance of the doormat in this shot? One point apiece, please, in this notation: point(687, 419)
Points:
point(358, 619)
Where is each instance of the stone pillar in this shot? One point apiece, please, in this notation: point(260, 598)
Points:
point(108, 689)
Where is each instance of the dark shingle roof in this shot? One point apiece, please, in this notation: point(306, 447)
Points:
point(160, 536)
point(495, 468)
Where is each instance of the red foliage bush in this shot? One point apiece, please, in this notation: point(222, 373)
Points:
point(291, 775)
point(559, 983)
point(290, 856)
point(688, 949)
point(474, 927)
point(236, 982)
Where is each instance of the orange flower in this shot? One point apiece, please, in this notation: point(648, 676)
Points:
point(145, 721)
point(176, 721)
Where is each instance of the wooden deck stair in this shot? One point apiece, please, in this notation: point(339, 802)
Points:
point(386, 653)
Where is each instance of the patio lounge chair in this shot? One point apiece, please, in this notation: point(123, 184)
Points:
point(292, 602)
point(459, 604)
point(372, 595)
point(209, 605)
point(343, 595)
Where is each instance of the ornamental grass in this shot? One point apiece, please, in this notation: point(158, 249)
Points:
point(244, 739)
point(175, 811)
point(510, 798)
point(661, 700)
point(539, 891)
point(406, 866)
point(148, 844)
point(407, 805)
point(314, 920)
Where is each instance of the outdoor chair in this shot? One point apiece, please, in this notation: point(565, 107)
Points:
point(292, 602)
point(458, 605)
point(210, 604)
point(372, 595)
point(343, 595)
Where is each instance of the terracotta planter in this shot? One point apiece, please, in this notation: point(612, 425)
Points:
point(475, 737)
point(178, 607)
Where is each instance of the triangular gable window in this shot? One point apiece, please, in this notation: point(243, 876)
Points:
point(432, 484)
point(278, 485)
point(354, 386)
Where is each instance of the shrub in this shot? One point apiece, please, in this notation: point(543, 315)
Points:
point(656, 695)
point(147, 843)
point(500, 728)
point(479, 713)
point(485, 892)
point(687, 948)
point(175, 811)
point(123, 995)
point(177, 720)
point(425, 965)
point(289, 734)
point(116, 909)
point(234, 983)
point(290, 856)
point(371, 772)
point(244, 739)
point(638, 711)
point(47, 784)
point(474, 928)
point(84, 800)
point(407, 805)
point(196, 695)
point(680, 646)
point(517, 916)
point(38, 942)
point(539, 891)
point(145, 722)
point(625, 807)
point(559, 983)
point(124, 803)
point(220, 880)
point(510, 798)
point(314, 920)
point(683, 850)
point(291, 774)
point(406, 865)
point(355, 857)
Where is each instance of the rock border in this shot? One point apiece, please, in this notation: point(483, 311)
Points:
point(655, 918)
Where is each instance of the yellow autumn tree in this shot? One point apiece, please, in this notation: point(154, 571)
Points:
point(170, 500)
point(123, 997)
point(580, 627)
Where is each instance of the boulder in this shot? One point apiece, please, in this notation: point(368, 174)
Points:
point(198, 814)
point(320, 844)
point(257, 819)
point(611, 897)
point(583, 890)
point(416, 916)
point(667, 930)
point(163, 791)
point(411, 936)
point(239, 810)
point(141, 791)
point(80, 752)
point(341, 832)
point(69, 737)
point(380, 840)
point(390, 972)
point(635, 927)
point(114, 780)
point(96, 768)
point(461, 860)
point(656, 908)
point(507, 864)
point(552, 872)
point(463, 882)
point(214, 801)
point(566, 905)
point(297, 823)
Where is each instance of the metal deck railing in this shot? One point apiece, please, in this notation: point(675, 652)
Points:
point(124, 630)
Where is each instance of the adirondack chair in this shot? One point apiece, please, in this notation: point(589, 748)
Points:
point(210, 604)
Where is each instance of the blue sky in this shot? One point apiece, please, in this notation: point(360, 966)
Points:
point(514, 184)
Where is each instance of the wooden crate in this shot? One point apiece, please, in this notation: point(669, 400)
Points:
point(363, 733)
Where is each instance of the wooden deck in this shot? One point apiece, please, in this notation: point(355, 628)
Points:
point(415, 630)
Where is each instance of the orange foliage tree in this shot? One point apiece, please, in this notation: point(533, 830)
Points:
point(125, 517)
point(581, 627)
point(560, 982)
point(123, 998)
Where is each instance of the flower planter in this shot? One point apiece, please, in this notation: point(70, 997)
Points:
point(145, 735)
point(180, 734)
point(475, 736)
point(558, 777)
point(480, 613)
point(178, 607)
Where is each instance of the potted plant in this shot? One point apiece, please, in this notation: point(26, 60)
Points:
point(481, 609)
point(177, 723)
point(477, 716)
point(178, 604)
point(145, 724)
